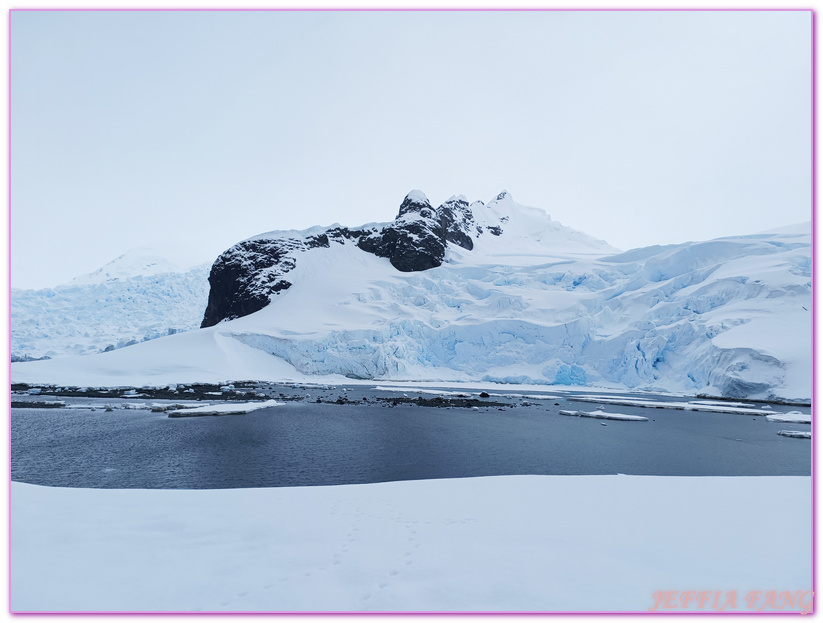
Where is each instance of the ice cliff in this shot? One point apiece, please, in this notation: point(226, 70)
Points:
point(500, 292)
point(139, 296)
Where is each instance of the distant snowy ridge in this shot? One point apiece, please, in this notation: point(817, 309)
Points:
point(137, 297)
point(532, 302)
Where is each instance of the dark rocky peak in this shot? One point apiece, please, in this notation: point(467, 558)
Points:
point(455, 202)
point(414, 241)
point(245, 278)
point(416, 202)
point(457, 221)
point(503, 195)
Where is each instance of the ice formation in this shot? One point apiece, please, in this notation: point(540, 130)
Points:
point(529, 301)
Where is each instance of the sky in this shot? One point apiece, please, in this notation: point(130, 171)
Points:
point(197, 129)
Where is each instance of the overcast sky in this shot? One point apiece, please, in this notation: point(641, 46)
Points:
point(637, 127)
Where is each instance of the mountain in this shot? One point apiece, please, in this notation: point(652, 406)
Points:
point(141, 295)
point(495, 292)
point(244, 278)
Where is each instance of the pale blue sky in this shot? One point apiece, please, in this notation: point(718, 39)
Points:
point(637, 127)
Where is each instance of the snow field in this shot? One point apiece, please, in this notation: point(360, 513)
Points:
point(511, 543)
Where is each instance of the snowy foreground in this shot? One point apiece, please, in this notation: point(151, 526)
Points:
point(511, 543)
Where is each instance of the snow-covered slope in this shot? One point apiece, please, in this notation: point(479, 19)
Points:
point(139, 296)
point(502, 543)
point(528, 301)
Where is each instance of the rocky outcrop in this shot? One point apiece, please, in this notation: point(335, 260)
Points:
point(244, 278)
point(417, 239)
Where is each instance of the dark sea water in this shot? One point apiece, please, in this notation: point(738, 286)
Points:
point(302, 443)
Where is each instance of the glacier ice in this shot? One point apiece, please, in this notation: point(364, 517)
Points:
point(543, 304)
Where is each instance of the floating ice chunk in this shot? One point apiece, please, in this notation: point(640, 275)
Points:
point(798, 434)
point(794, 417)
point(723, 403)
point(651, 404)
point(225, 409)
point(134, 405)
point(529, 396)
point(420, 391)
point(602, 415)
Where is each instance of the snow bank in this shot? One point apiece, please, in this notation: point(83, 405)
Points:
point(203, 356)
point(517, 543)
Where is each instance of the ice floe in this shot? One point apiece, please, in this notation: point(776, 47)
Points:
point(225, 409)
point(794, 417)
point(602, 415)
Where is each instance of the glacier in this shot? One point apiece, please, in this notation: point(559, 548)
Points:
point(139, 296)
point(530, 302)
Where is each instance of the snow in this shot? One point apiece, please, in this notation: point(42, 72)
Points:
point(509, 543)
point(418, 391)
point(529, 396)
point(722, 403)
point(234, 408)
point(146, 261)
point(98, 312)
point(204, 356)
point(795, 417)
point(602, 415)
point(539, 305)
point(417, 196)
point(660, 404)
point(798, 434)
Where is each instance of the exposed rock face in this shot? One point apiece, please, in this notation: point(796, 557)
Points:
point(244, 278)
point(417, 239)
point(457, 221)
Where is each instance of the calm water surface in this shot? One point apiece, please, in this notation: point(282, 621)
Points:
point(303, 443)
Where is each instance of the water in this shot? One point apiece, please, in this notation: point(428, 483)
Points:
point(303, 443)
